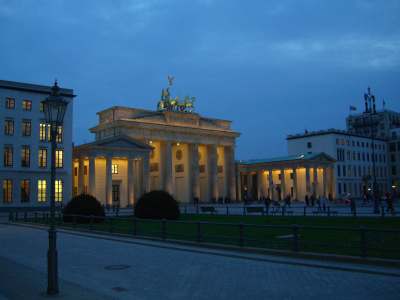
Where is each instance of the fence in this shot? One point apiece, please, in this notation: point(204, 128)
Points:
point(342, 211)
point(361, 241)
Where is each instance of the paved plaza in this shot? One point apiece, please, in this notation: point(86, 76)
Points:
point(116, 268)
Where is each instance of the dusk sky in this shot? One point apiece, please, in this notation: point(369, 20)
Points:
point(272, 67)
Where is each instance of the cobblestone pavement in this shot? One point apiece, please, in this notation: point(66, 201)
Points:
point(167, 272)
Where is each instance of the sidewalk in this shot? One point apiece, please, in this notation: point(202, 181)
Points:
point(101, 268)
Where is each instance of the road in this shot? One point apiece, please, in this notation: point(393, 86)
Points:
point(102, 268)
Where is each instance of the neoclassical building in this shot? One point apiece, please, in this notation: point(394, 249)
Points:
point(296, 175)
point(172, 148)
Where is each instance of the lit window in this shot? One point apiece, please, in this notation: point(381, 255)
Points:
point(58, 190)
point(9, 127)
point(59, 158)
point(43, 158)
point(26, 128)
point(42, 190)
point(7, 190)
point(25, 156)
point(59, 135)
point(26, 105)
point(25, 190)
point(114, 169)
point(10, 103)
point(42, 131)
point(8, 156)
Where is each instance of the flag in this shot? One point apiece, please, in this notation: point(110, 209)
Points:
point(352, 108)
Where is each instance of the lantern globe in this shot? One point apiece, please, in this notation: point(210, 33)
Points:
point(55, 107)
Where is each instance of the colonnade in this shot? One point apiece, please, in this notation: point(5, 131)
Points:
point(278, 183)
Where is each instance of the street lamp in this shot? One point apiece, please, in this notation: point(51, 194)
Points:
point(54, 110)
point(370, 109)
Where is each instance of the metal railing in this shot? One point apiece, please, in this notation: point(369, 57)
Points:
point(343, 211)
point(353, 241)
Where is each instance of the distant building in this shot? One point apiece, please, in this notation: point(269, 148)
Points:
point(394, 158)
point(25, 147)
point(379, 125)
point(354, 158)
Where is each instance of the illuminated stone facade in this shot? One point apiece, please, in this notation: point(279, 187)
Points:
point(137, 150)
point(297, 176)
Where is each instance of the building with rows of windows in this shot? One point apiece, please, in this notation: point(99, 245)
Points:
point(354, 156)
point(25, 147)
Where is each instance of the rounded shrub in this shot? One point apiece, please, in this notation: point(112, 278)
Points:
point(157, 205)
point(81, 207)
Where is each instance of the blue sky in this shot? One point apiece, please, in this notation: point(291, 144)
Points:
point(272, 67)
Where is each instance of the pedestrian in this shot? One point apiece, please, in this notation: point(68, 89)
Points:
point(267, 202)
point(389, 203)
point(352, 205)
point(312, 200)
point(319, 200)
point(307, 201)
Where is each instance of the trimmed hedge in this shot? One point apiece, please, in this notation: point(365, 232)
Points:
point(157, 205)
point(83, 205)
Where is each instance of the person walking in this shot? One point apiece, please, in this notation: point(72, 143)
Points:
point(389, 203)
point(307, 200)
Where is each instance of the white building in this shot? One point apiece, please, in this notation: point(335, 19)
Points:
point(25, 147)
point(354, 158)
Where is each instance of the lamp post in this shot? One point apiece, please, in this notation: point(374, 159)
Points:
point(54, 109)
point(370, 109)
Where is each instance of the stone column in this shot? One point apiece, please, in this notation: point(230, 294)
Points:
point(308, 182)
point(315, 182)
point(230, 172)
point(146, 174)
point(295, 195)
point(131, 182)
point(259, 185)
point(324, 179)
point(212, 171)
point(194, 171)
point(92, 176)
point(166, 166)
point(283, 184)
point(270, 185)
point(108, 180)
point(239, 186)
point(81, 176)
point(249, 186)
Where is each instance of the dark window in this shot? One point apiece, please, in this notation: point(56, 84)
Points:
point(339, 188)
point(115, 192)
point(392, 147)
point(394, 170)
point(8, 156)
point(26, 128)
point(42, 158)
point(85, 169)
point(344, 171)
point(220, 169)
point(25, 190)
point(309, 145)
point(25, 156)
point(26, 105)
point(10, 103)
point(338, 170)
point(75, 171)
point(9, 127)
